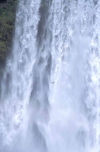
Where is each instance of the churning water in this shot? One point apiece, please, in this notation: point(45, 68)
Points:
point(50, 90)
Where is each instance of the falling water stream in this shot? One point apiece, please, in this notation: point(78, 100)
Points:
point(50, 89)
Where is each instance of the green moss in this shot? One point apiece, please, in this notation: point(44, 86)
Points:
point(7, 21)
point(2, 45)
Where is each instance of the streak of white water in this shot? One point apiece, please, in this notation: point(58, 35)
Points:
point(50, 92)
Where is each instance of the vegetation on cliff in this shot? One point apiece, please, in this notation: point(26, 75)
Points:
point(7, 21)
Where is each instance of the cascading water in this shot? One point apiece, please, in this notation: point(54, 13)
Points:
point(50, 90)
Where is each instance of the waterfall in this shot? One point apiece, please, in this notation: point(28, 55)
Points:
point(50, 89)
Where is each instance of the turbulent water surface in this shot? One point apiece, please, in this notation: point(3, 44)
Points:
point(50, 90)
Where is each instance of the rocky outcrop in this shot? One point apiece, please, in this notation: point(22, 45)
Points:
point(7, 22)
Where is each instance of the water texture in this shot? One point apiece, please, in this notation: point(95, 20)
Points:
point(50, 90)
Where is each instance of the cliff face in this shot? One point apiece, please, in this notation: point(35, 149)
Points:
point(7, 22)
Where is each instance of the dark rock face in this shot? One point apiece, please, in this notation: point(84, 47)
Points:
point(7, 22)
point(3, 1)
